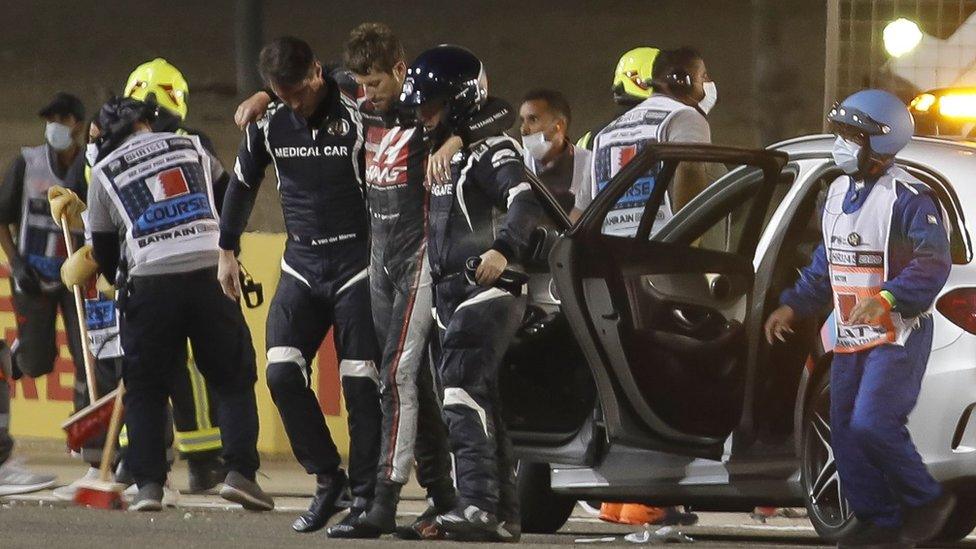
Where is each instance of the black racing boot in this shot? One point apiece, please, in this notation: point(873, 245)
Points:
point(378, 520)
point(925, 522)
point(205, 472)
point(469, 524)
point(329, 489)
point(441, 499)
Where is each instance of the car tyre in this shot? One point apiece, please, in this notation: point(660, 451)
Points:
point(961, 522)
point(827, 507)
point(543, 511)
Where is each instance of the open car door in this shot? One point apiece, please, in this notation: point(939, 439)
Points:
point(661, 311)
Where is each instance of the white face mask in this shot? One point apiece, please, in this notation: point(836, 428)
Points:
point(536, 145)
point(58, 136)
point(846, 155)
point(91, 153)
point(711, 96)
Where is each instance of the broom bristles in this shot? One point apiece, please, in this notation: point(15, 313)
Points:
point(100, 495)
point(90, 423)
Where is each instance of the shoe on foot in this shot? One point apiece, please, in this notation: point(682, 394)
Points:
point(171, 496)
point(354, 526)
point(424, 526)
point(239, 489)
point(148, 498)
point(67, 493)
point(377, 520)
point(469, 524)
point(925, 522)
point(509, 531)
point(205, 473)
point(325, 504)
point(441, 499)
point(16, 478)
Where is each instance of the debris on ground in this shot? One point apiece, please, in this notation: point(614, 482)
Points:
point(665, 534)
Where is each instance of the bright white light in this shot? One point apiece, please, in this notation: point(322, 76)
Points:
point(901, 36)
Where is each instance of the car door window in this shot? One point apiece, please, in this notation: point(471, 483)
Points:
point(710, 222)
point(683, 181)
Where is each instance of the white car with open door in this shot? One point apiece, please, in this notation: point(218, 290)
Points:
point(641, 373)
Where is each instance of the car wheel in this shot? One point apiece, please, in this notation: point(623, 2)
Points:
point(826, 505)
point(961, 522)
point(543, 511)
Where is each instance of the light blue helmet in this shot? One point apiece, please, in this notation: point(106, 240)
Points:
point(880, 116)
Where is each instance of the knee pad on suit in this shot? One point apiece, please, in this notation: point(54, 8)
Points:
point(458, 397)
point(286, 368)
point(365, 369)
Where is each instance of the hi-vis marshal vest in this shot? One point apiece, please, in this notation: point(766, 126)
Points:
point(857, 254)
point(620, 142)
point(40, 241)
point(101, 316)
point(161, 184)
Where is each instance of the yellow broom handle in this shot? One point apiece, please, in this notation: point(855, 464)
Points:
point(69, 246)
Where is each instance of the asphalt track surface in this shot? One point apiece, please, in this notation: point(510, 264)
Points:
point(39, 520)
point(34, 525)
point(208, 522)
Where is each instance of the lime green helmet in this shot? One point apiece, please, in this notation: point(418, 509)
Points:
point(159, 80)
point(631, 79)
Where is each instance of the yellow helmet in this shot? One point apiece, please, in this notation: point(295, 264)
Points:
point(161, 80)
point(630, 79)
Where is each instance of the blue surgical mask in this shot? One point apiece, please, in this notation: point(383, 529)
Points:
point(846, 155)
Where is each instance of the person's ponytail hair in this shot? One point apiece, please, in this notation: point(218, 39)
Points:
point(117, 120)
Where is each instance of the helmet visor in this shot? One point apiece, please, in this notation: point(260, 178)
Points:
point(846, 121)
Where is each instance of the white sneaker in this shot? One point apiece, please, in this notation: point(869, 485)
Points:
point(171, 496)
point(67, 493)
point(16, 478)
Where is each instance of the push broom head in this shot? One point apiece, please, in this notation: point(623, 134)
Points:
point(100, 494)
point(89, 424)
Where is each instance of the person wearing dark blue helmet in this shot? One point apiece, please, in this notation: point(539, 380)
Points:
point(884, 259)
point(479, 224)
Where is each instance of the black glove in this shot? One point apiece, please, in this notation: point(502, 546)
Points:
point(26, 277)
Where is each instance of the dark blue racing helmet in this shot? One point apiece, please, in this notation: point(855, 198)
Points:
point(446, 73)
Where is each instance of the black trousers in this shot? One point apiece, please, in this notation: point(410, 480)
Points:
point(300, 316)
point(36, 346)
point(159, 314)
point(476, 325)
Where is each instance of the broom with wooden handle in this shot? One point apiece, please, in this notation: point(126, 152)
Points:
point(104, 493)
point(92, 421)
